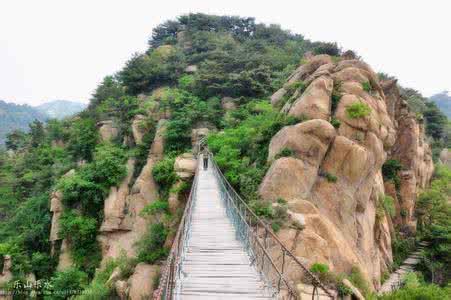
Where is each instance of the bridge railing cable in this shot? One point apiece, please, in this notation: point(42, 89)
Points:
point(280, 268)
point(171, 271)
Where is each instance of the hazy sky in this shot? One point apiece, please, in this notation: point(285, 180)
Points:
point(61, 49)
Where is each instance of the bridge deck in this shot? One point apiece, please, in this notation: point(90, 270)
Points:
point(216, 265)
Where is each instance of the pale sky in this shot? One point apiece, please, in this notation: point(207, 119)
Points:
point(61, 49)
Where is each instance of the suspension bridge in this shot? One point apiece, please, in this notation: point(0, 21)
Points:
point(222, 250)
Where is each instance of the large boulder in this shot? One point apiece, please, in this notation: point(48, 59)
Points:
point(108, 130)
point(185, 165)
point(315, 102)
point(141, 282)
point(288, 178)
point(301, 73)
point(293, 177)
point(335, 181)
point(114, 208)
point(309, 140)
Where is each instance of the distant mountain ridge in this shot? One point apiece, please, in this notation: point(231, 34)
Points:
point(16, 116)
point(60, 109)
point(443, 101)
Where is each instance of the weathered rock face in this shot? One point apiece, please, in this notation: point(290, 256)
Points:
point(137, 129)
point(108, 131)
point(65, 259)
point(123, 226)
point(315, 101)
point(412, 151)
point(56, 207)
point(141, 282)
point(185, 165)
point(288, 177)
point(334, 181)
point(6, 274)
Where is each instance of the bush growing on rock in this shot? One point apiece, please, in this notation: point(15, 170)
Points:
point(357, 110)
point(335, 122)
point(285, 152)
point(150, 247)
point(366, 86)
point(81, 234)
point(164, 175)
point(390, 171)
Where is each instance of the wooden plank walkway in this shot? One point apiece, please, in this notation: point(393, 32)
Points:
point(216, 265)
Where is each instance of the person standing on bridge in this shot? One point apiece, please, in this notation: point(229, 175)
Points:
point(205, 158)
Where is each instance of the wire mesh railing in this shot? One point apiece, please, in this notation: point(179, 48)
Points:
point(280, 269)
point(171, 272)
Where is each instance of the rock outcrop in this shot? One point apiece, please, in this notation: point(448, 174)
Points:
point(123, 226)
point(414, 154)
point(58, 245)
point(333, 178)
point(108, 130)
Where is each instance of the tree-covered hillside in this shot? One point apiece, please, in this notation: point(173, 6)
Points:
point(443, 101)
point(18, 117)
point(13, 116)
point(192, 66)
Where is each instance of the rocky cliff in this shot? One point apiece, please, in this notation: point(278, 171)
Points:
point(333, 176)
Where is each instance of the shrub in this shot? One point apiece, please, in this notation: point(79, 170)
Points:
point(297, 85)
point(281, 201)
point(359, 281)
point(357, 110)
point(126, 264)
point(285, 152)
point(366, 86)
point(69, 282)
point(335, 122)
point(336, 96)
point(98, 288)
point(403, 212)
point(275, 226)
point(262, 208)
point(81, 234)
point(155, 207)
point(389, 205)
point(164, 175)
point(321, 270)
point(385, 205)
point(390, 171)
point(330, 177)
point(331, 49)
point(150, 247)
point(343, 290)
